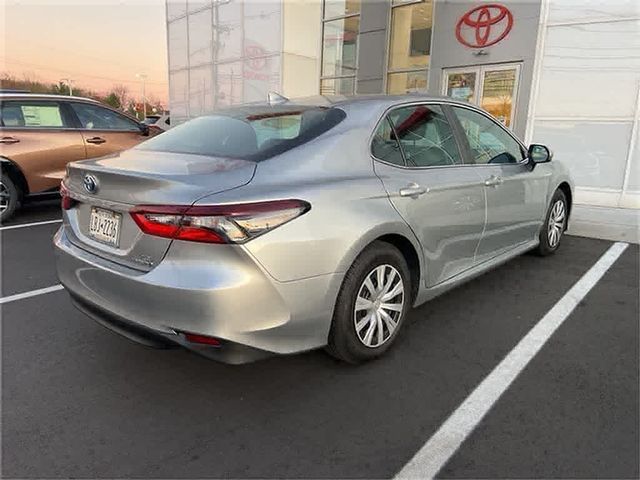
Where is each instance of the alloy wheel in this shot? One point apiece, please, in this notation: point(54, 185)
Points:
point(5, 197)
point(379, 305)
point(556, 223)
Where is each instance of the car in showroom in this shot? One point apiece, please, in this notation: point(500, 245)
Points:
point(40, 134)
point(288, 226)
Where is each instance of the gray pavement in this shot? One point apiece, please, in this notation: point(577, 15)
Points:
point(80, 401)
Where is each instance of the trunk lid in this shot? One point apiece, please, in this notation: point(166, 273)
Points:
point(137, 177)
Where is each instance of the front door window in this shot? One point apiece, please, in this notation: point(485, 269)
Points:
point(492, 87)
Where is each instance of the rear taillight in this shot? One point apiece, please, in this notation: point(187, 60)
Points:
point(66, 201)
point(201, 339)
point(235, 223)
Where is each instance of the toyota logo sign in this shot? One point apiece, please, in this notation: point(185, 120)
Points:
point(90, 183)
point(484, 26)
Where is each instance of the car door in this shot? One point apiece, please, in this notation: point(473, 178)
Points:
point(38, 136)
point(420, 164)
point(106, 131)
point(516, 193)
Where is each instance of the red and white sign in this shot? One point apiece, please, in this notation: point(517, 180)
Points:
point(484, 25)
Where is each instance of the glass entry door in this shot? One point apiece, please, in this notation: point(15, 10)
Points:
point(492, 87)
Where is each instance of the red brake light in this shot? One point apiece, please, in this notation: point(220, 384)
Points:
point(236, 223)
point(66, 201)
point(201, 339)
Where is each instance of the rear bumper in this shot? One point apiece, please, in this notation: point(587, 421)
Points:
point(227, 352)
point(227, 296)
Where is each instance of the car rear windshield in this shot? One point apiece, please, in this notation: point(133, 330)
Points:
point(248, 133)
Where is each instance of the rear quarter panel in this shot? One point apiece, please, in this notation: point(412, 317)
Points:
point(349, 205)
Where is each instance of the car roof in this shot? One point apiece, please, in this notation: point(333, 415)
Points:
point(381, 100)
point(43, 96)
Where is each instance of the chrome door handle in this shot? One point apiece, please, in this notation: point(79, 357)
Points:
point(96, 140)
point(412, 190)
point(493, 181)
point(8, 140)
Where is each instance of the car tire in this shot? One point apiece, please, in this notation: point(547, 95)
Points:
point(352, 338)
point(554, 225)
point(9, 198)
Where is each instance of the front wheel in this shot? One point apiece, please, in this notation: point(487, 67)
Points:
point(371, 306)
point(555, 224)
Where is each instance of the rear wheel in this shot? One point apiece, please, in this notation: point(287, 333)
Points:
point(9, 198)
point(555, 224)
point(371, 306)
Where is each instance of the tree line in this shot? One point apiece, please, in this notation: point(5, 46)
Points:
point(117, 97)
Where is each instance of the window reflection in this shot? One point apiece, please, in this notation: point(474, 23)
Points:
point(337, 86)
point(498, 90)
point(339, 8)
point(406, 82)
point(340, 47)
point(340, 42)
point(462, 86)
point(410, 46)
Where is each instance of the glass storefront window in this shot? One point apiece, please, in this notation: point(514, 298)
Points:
point(340, 8)
point(410, 36)
point(195, 5)
point(462, 86)
point(498, 91)
point(200, 37)
point(339, 47)
point(176, 8)
point(493, 87)
point(178, 54)
point(410, 46)
point(405, 82)
point(337, 86)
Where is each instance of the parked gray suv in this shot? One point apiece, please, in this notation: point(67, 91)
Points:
point(285, 227)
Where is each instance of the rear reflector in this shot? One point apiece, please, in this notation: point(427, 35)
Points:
point(236, 223)
point(202, 339)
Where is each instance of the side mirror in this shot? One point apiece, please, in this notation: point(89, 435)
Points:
point(539, 153)
point(144, 129)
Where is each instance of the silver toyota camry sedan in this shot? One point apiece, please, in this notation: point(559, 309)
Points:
point(294, 225)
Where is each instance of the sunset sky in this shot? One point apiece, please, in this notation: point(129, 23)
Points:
point(97, 43)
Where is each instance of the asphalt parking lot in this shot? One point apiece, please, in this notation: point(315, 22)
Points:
point(80, 401)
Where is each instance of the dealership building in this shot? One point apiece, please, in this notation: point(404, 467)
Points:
point(565, 73)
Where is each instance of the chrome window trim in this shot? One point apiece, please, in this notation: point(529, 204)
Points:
point(33, 129)
point(524, 161)
point(69, 129)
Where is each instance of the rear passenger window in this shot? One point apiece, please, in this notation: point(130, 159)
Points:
point(31, 114)
point(426, 138)
point(488, 141)
point(385, 146)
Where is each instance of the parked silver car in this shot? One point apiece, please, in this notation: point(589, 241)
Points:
point(280, 228)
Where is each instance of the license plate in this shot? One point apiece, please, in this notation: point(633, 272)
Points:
point(104, 226)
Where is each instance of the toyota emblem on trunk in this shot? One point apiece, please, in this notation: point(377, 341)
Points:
point(90, 183)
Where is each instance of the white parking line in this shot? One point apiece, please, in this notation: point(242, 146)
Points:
point(24, 225)
point(32, 293)
point(445, 442)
